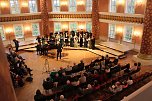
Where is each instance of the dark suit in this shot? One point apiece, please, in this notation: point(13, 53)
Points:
point(16, 45)
point(59, 50)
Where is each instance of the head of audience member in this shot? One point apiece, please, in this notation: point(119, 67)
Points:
point(107, 56)
point(56, 75)
point(38, 92)
point(135, 64)
point(117, 84)
point(68, 82)
point(95, 83)
point(61, 97)
point(74, 64)
point(139, 65)
point(95, 72)
point(47, 79)
point(128, 66)
point(81, 61)
point(63, 74)
point(89, 86)
point(102, 57)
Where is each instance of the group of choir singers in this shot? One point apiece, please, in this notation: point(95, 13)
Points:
point(72, 39)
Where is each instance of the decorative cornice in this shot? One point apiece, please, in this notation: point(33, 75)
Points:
point(70, 19)
point(128, 19)
point(19, 18)
point(37, 16)
point(59, 16)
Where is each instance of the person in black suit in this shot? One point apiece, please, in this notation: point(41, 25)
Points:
point(59, 50)
point(16, 42)
point(81, 41)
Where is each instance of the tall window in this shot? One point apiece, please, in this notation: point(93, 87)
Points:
point(35, 29)
point(73, 26)
point(112, 31)
point(89, 27)
point(56, 5)
point(89, 5)
point(57, 27)
point(72, 5)
point(113, 6)
point(130, 6)
point(2, 33)
point(33, 6)
point(128, 33)
point(14, 5)
point(18, 30)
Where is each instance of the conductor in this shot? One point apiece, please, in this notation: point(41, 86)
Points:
point(59, 50)
point(16, 42)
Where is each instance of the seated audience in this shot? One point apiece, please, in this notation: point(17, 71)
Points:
point(129, 81)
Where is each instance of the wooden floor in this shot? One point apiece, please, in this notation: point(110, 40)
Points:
point(36, 62)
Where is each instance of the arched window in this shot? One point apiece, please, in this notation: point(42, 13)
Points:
point(130, 6)
point(72, 5)
point(14, 5)
point(33, 6)
point(89, 5)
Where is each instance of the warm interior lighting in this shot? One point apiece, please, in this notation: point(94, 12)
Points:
point(63, 3)
point(24, 4)
point(139, 2)
point(65, 27)
point(27, 28)
point(81, 26)
point(3, 4)
point(119, 29)
point(136, 33)
point(121, 2)
point(80, 2)
point(8, 30)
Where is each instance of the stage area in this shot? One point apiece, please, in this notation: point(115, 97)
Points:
point(116, 46)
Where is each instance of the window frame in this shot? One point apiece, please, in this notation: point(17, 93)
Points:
point(91, 26)
point(60, 27)
point(35, 5)
point(109, 31)
point(125, 31)
point(73, 6)
point(53, 9)
point(126, 7)
point(110, 7)
point(38, 29)
point(15, 31)
point(88, 2)
point(3, 39)
point(76, 26)
point(11, 10)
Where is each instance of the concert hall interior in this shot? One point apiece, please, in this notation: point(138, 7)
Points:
point(75, 50)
